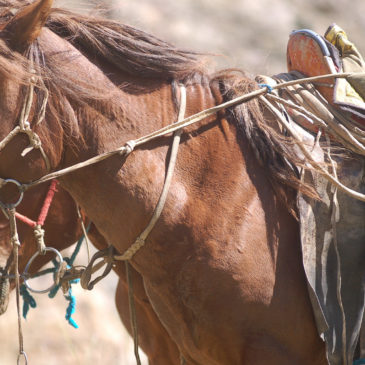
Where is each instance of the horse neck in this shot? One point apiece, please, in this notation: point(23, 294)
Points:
point(119, 196)
point(215, 181)
point(129, 190)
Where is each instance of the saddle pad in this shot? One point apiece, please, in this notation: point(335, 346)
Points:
point(332, 238)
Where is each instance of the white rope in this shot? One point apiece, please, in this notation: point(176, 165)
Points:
point(126, 148)
point(141, 239)
point(129, 146)
point(24, 125)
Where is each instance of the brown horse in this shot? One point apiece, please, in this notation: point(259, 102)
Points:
point(62, 228)
point(222, 267)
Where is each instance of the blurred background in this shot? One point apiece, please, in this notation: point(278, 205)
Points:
point(251, 35)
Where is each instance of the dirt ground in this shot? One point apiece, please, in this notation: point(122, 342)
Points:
point(248, 34)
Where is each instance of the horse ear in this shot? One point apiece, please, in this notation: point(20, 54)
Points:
point(26, 25)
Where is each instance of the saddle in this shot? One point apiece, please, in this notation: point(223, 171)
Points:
point(314, 55)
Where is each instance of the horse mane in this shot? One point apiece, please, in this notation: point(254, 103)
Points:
point(138, 53)
point(273, 150)
point(125, 47)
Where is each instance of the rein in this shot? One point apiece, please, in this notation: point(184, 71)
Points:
point(129, 146)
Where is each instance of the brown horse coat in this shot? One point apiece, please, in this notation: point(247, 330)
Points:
point(222, 268)
point(62, 229)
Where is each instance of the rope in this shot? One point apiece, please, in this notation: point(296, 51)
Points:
point(15, 243)
point(37, 226)
point(130, 145)
point(39, 236)
point(269, 88)
point(71, 309)
point(47, 202)
point(141, 239)
point(71, 260)
point(85, 231)
point(9, 137)
point(44, 210)
point(341, 127)
point(24, 125)
point(4, 291)
point(26, 220)
point(306, 153)
point(28, 300)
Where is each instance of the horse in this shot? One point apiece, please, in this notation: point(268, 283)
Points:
point(222, 266)
point(62, 228)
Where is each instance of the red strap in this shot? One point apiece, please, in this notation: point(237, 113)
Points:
point(45, 208)
point(25, 219)
point(47, 202)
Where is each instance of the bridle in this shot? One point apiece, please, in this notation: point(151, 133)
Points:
point(109, 255)
point(24, 127)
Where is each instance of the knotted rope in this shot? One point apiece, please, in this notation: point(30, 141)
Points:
point(37, 226)
point(29, 301)
point(71, 309)
point(129, 146)
point(141, 239)
point(24, 125)
point(273, 103)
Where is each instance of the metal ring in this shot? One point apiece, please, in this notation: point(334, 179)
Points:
point(21, 193)
point(28, 266)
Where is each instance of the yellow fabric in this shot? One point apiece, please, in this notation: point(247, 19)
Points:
point(351, 91)
point(345, 93)
point(339, 39)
